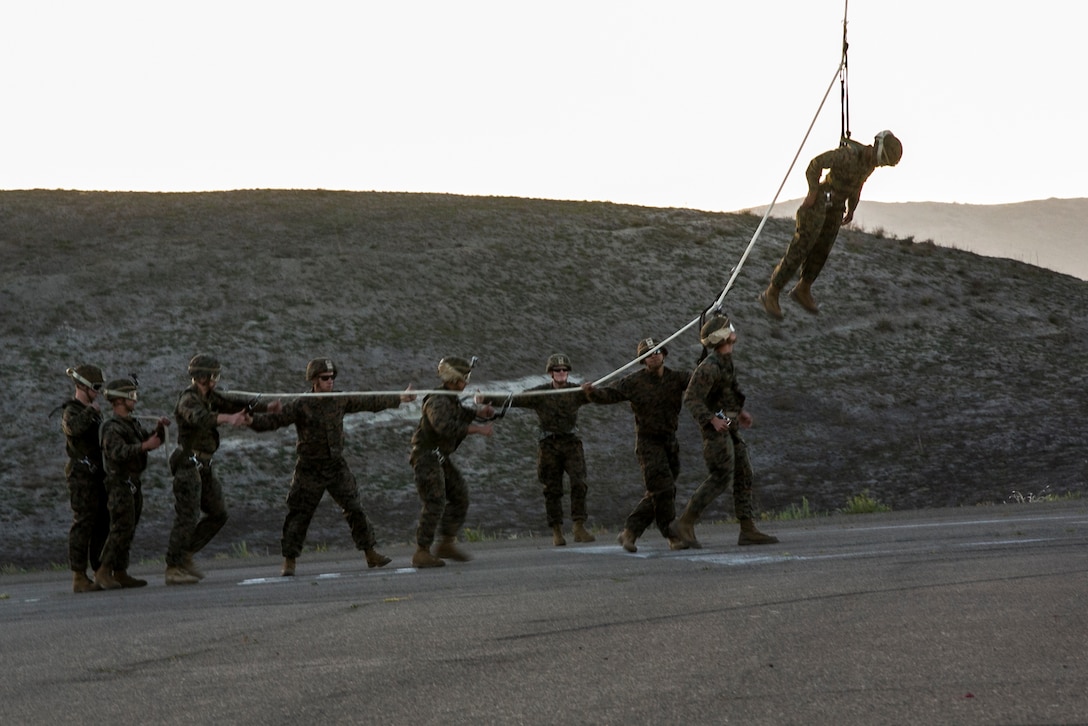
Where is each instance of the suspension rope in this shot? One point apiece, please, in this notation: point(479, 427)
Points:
point(844, 83)
point(735, 272)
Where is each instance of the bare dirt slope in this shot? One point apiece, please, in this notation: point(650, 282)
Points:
point(933, 377)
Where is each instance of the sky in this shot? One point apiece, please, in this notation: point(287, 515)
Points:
point(698, 104)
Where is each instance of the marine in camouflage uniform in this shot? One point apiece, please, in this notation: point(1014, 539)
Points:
point(716, 402)
point(445, 422)
point(829, 204)
point(80, 421)
point(199, 508)
point(560, 448)
point(320, 467)
point(655, 394)
point(125, 444)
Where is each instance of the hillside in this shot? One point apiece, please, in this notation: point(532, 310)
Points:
point(934, 376)
point(1047, 232)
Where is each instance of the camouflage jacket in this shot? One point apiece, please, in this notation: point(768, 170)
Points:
point(655, 400)
point(122, 441)
point(713, 388)
point(442, 426)
point(196, 416)
point(80, 423)
point(558, 412)
point(319, 421)
point(849, 168)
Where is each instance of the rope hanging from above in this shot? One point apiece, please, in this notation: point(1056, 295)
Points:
point(844, 83)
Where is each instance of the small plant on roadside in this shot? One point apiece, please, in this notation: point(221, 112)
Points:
point(477, 535)
point(864, 504)
point(240, 550)
point(797, 511)
point(1045, 495)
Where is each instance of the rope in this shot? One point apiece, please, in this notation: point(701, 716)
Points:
point(410, 392)
point(844, 93)
point(735, 272)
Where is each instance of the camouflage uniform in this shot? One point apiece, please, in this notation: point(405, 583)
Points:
point(441, 488)
point(196, 487)
point(656, 403)
point(86, 485)
point(125, 461)
point(713, 388)
point(817, 227)
point(560, 449)
point(319, 422)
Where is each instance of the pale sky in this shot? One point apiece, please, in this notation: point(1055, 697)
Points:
point(699, 104)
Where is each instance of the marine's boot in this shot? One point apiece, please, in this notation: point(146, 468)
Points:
point(374, 558)
point(179, 576)
point(123, 577)
point(802, 294)
point(447, 549)
point(189, 566)
point(581, 534)
point(749, 535)
point(288, 567)
point(626, 540)
point(82, 583)
point(557, 535)
point(424, 558)
point(675, 542)
point(103, 579)
point(685, 529)
point(769, 298)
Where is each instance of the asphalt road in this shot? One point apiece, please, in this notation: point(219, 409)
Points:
point(958, 616)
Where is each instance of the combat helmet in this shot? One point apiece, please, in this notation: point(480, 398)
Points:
point(318, 366)
point(204, 366)
point(557, 360)
point(453, 368)
point(716, 329)
point(121, 388)
point(648, 344)
point(87, 375)
point(889, 149)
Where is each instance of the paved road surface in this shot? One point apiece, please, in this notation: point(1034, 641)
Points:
point(958, 616)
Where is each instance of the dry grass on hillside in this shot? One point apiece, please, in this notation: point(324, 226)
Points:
point(933, 377)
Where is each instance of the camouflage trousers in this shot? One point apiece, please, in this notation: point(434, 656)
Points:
point(813, 238)
point(444, 495)
point(659, 458)
point(727, 465)
point(559, 454)
point(126, 501)
point(199, 509)
point(90, 516)
point(312, 478)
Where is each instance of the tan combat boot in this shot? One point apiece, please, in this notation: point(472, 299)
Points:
point(424, 558)
point(749, 535)
point(685, 529)
point(802, 294)
point(675, 541)
point(179, 576)
point(374, 558)
point(288, 567)
point(447, 549)
point(581, 534)
point(557, 535)
point(82, 583)
point(103, 579)
point(123, 577)
point(627, 540)
point(769, 298)
point(189, 566)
